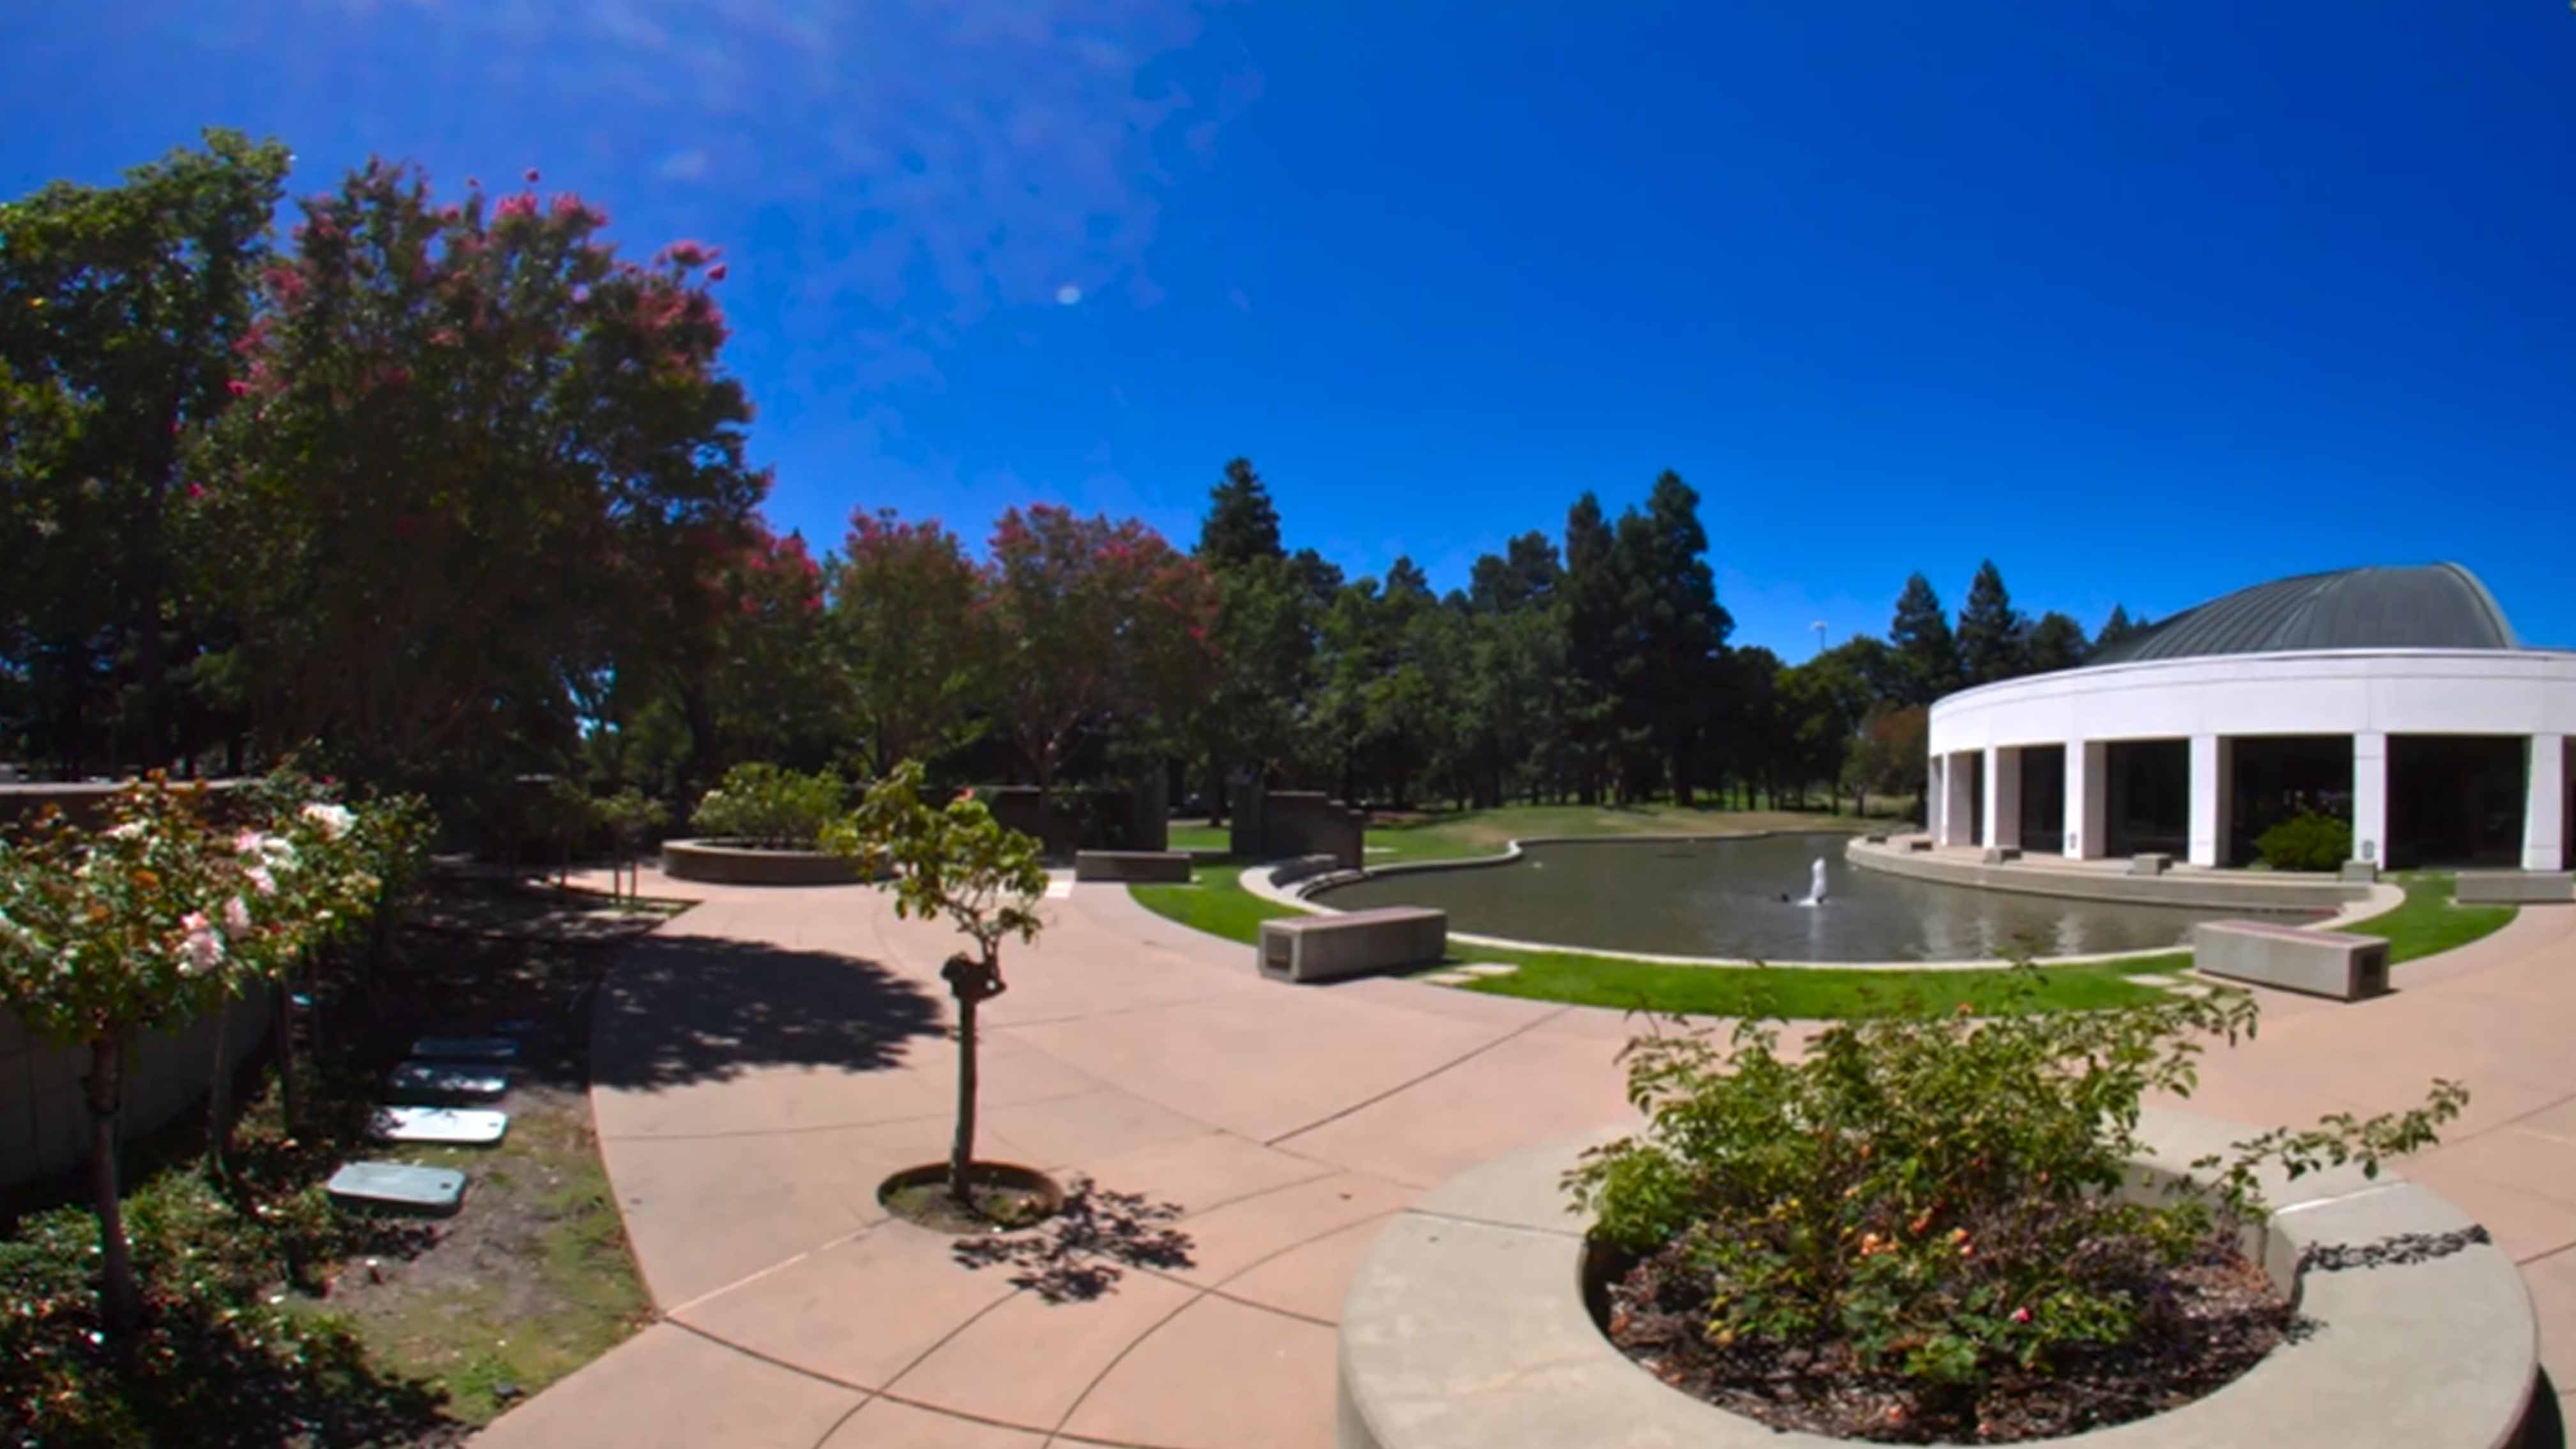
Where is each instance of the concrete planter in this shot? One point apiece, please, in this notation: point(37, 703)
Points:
point(1467, 1327)
point(732, 863)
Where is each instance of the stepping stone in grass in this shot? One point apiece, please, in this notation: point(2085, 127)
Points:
point(1449, 978)
point(467, 1048)
point(430, 1079)
point(452, 1126)
point(1489, 968)
point(399, 1186)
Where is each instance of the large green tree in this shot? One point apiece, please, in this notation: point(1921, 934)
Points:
point(1674, 631)
point(1992, 643)
point(120, 310)
point(471, 437)
point(1242, 524)
point(2056, 642)
point(1101, 628)
point(911, 633)
point(1926, 652)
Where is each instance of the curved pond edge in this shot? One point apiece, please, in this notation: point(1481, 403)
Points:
point(1466, 1325)
point(1294, 883)
point(2198, 887)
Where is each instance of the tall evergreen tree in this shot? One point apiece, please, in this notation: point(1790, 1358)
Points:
point(1593, 607)
point(1991, 644)
point(1677, 628)
point(1242, 523)
point(2056, 642)
point(1927, 655)
point(2118, 627)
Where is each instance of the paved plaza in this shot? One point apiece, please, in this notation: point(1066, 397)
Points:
point(762, 1061)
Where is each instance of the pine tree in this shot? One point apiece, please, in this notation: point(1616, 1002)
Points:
point(2116, 628)
point(1991, 644)
point(1927, 656)
point(1242, 523)
point(1592, 626)
point(2056, 642)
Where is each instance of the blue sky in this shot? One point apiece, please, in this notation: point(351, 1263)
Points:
point(2144, 302)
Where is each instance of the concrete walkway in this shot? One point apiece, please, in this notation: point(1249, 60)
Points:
point(764, 1060)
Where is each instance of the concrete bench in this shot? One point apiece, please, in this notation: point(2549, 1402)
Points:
point(1168, 866)
point(2358, 870)
point(1354, 943)
point(2339, 964)
point(2515, 887)
point(1875, 837)
point(2150, 863)
point(1999, 854)
point(1919, 842)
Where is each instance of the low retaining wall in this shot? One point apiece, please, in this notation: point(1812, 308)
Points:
point(2515, 887)
point(2201, 890)
point(1168, 866)
point(1466, 1327)
point(724, 864)
point(44, 1108)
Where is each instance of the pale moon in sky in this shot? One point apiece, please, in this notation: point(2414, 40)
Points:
point(1068, 294)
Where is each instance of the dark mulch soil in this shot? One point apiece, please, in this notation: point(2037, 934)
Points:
point(1658, 1309)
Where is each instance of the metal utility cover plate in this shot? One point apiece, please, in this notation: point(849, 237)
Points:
point(395, 1184)
point(451, 1125)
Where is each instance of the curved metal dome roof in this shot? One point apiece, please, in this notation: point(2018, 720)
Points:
point(2420, 606)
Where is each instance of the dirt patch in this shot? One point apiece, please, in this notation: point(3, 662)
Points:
point(532, 1277)
point(2230, 1314)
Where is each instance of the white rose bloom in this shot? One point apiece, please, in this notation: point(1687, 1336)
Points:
point(335, 820)
point(130, 830)
point(236, 917)
point(202, 949)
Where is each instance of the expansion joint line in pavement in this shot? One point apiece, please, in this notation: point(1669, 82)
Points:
point(1412, 1082)
point(1200, 1291)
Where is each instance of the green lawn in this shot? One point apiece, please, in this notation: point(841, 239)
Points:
point(1451, 835)
point(2428, 922)
point(1218, 904)
point(1201, 836)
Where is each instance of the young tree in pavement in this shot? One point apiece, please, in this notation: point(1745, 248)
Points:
point(1927, 654)
point(959, 864)
point(2056, 642)
point(119, 310)
point(1991, 642)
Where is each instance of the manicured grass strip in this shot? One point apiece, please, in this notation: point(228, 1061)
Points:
point(1219, 905)
point(2428, 923)
point(1199, 837)
point(1457, 834)
point(1215, 902)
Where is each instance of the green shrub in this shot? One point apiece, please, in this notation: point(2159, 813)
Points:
point(771, 806)
point(2306, 841)
point(1931, 1194)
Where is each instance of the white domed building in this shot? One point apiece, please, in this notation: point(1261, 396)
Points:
point(2396, 698)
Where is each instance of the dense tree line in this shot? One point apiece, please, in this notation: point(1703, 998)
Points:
point(445, 493)
point(1595, 669)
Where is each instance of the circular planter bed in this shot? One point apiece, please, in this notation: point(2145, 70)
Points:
point(1006, 1196)
point(736, 862)
point(1469, 1325)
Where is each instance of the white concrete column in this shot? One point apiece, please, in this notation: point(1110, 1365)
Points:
point(2088, 794)
point(2003, 796)
point(2211, 787)
point(2544, 807)
point(1934, 793)
point(2370, 798)
point(1958, 810)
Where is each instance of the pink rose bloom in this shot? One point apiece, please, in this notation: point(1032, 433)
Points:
point(236, 917)
point(261, 881)
point(201, 950)
point(237, 387)
point(2021, 1315)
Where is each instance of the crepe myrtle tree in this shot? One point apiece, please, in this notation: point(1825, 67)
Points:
point(957, 863)
point(146, 923)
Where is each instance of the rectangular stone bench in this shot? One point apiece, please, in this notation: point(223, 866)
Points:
point(2339, 964)
point(2515, 887)
point(1354, 943)
point(1919, 842)
point(1167, 866)
point(1999, 854)
point(2150, 863)
point(2367, 870)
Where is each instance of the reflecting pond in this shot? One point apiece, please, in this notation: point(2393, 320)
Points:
point(1744, 899)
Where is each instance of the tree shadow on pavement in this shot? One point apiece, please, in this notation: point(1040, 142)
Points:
point(1078, 1254)
point(682, 1009)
